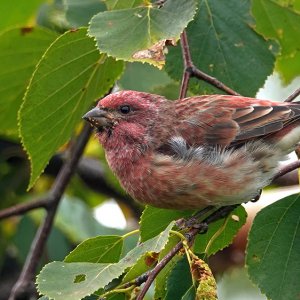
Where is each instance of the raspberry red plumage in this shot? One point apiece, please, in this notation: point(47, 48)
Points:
point(194, 152)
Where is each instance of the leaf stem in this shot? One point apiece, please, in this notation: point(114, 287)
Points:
point(180, 235)
point(124, 236)
point(189, 237)
point(117, 291)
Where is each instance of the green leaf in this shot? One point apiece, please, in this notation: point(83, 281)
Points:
point(154, 220)
point(143, 77)
point(100, 249)
point(170, 91)
point(223, 44)
point(142, 265)
point(79, 13)
point(220, 233)
point(122, 4)
point(273, 249)
point(70, 76)
point(179, 281)
point(20, 51)
point(115, 297)
point(278, 20)
point(72, 281)
point(53, 16)
point(17, 12)
point(139, 34)
point(191, 294)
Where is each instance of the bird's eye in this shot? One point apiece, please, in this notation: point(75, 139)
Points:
point(125, 109)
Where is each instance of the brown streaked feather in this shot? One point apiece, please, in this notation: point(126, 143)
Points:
point(241, 112)
point(259, 131)
point(266, 121)
point(225, 121)
point(256, 112)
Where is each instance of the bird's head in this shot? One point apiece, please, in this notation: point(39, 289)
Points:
point(127, 116)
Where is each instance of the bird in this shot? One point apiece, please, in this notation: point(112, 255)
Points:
point(191, 153)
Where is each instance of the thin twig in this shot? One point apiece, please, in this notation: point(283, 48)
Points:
point(91, 173)
point(288, 168)
point(190, 235)
point(20, 209)
point(191, 71)
point(160, 266)
point(24, 286)
point(187, 60)
point(213, 81)
point(293, 96)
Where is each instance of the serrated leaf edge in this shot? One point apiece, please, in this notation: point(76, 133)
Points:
point(138, 60)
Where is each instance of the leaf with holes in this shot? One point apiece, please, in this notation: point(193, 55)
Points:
point(20, 51)
point(223, 44)
point(220, 233)
point(273, 249)
point(69, 77)
point(141, 33)
point(72, 281)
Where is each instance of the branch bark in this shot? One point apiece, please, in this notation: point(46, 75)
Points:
point(191, 71)
point(91, 173)
point(23, 208)
point(24, 287)
point(293, 96)
point(288, 168)
point(190, 235)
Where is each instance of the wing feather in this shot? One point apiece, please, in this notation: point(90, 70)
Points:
point(229, 120)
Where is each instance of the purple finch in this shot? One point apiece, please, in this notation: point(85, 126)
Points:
point(194, 152)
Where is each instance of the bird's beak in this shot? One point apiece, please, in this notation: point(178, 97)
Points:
point(98, 118)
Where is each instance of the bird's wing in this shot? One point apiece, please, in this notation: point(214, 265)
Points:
point(226, 120)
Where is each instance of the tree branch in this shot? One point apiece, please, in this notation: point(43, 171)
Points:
point(293, 96)
point(213, 81)
point(90, 172)
point(190, 235)
point(288, 168)
point(152, 275)
point(191, 71)
point(187, 60)
point(22, 208)
point(25, 286)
